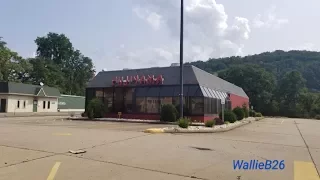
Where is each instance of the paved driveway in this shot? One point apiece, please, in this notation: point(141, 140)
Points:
point(37, 148)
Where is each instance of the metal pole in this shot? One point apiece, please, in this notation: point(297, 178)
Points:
point(181, 61)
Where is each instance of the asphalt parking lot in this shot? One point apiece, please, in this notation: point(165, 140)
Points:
point(37, 148)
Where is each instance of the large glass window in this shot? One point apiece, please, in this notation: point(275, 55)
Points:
point(214, 109)
point(166, 100)
point(141, 104)
point(108, 98)
point(128, 100)
point(197, 105)
point(118, 100)
point(99, 93)
point(153, 104)
point(207, 105)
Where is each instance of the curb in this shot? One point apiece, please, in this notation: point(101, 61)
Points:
point(154, 130)
point(160, 130)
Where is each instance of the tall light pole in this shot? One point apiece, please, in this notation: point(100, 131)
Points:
point(181, 60)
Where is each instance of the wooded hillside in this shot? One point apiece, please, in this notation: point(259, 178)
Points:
point(277, 62)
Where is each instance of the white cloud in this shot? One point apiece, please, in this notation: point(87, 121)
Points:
point(206, 30)
point(269, 19)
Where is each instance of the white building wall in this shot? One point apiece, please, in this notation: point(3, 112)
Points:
point(53, 104)
point(12, 104)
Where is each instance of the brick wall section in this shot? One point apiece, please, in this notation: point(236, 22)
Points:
point(238, 101)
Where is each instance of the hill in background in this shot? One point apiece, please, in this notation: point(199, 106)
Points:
point(278, 63)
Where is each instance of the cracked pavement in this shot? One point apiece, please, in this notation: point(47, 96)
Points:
point(29, 148)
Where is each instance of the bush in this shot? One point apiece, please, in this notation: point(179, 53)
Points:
point(96, 108)
point(184, 122)
point(218, 121)
point(168, 113)
point(257, 114)
point(252, 113)
point(227, 122)
point(84, 114)
point(239, 113)
point(317, 116)
point(210, 123)
point(228, 116)
point(246, 110)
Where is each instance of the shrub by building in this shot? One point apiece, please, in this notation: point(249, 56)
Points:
point(228, 116)
point(239, 112)
point(168, 113)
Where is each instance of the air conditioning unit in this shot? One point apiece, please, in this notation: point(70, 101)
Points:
point(175, 64)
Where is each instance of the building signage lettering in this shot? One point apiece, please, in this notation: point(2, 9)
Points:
point(137, 80)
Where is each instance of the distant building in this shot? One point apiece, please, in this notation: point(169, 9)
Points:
point(70, 103)
point(139, 93)
point(18, 97)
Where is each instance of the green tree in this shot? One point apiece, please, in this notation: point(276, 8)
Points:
point(61, 65)
point(290, 88)
point(255, 81)
point(55, 47)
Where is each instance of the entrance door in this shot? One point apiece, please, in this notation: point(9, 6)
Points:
point(3, 105)
point(35, 105)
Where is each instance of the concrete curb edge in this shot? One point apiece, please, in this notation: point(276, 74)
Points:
point(161, 130)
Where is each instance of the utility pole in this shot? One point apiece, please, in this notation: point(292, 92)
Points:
point(181, 60)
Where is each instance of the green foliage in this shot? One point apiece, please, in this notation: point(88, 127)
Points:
point(258, 114)
point(317, 117)
point(239, 112)
point(252, 113)
point(57, 64)
point(255, 81)
point(218, 121)
point(96, 109)
point(184, 122)
point(245, 110)
point(228, 116)
point(168, 113)
point(210, 123)
point(226, 122)
point(274, 81)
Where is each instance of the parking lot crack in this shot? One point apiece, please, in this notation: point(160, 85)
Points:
point(307, 148)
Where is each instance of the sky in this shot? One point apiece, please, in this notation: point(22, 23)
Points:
point(119, 34)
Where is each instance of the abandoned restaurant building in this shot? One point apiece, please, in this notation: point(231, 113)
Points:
point(139, 93)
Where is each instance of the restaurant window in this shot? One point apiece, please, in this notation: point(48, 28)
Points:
point(141, 104)
point(49, 104)
point(219, 107)
point(207, 105)
point(99, 93)
point(128, 100)
point(153, 104)
point(165, 100)
point(18, 104)
point(44, 104)
point(214, 109)
point(108, 98)
point(24, 104)
point(196, 105)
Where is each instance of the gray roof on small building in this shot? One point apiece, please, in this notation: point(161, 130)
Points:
point(192, 76)
point(28, 89)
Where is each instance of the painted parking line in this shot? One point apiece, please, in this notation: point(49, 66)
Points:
point(62, 134)
point(54, 171)
point(305, 171)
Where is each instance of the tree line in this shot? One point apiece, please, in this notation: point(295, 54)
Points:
point(273, 81)
point(56, 64)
